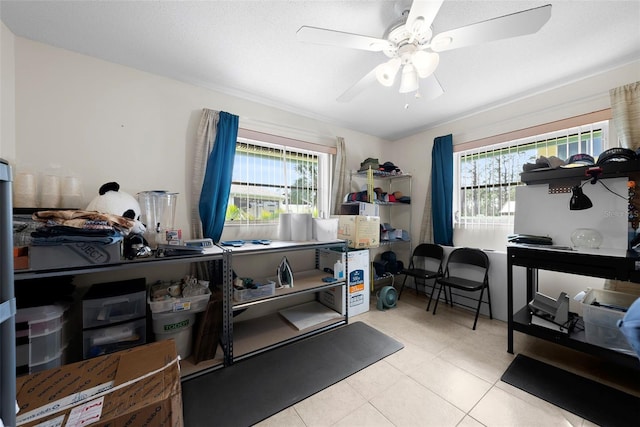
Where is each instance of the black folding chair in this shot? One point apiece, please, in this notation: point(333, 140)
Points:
point(462, 264)
point(425, 264)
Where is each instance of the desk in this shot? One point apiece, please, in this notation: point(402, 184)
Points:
point(605, 263)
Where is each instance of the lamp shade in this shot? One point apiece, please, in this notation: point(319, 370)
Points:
point(386, 73)
point(409, 80)
point(579, 201)
point(425, 62)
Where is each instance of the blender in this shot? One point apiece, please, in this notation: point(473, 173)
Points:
point(158, 214)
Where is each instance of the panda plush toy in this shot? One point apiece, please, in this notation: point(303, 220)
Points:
point(111, 200)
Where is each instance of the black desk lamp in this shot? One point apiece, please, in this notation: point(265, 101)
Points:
point(579, 201)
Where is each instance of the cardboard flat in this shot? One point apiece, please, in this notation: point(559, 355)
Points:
point(140, 387)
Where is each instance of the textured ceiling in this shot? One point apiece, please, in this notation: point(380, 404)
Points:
point(249, 49)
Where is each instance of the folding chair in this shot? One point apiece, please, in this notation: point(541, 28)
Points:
point(425, 255)
point(462, 264)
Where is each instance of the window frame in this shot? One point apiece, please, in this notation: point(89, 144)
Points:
point(580, 125)
point(323, 184)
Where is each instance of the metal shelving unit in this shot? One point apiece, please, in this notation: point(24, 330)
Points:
point(389, 213)
point(211, 254)
point(7, 302)
point(617, 265)
point(270, 330)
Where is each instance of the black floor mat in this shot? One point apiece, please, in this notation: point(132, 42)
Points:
point(591, 400)
point(256, 388)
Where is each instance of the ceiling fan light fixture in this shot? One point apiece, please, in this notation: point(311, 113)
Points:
point(386, 72)
point(409, 79)
point(440, 42)
point(425, 62)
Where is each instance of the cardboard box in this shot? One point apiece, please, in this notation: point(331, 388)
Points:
point(68, 255)
point(21, 258)
point(359, 231)
point(358, 284)
point(360, 208)
point(138, 387)
point(368, 209)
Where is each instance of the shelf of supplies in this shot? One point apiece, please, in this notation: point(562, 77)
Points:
point(393, 242)
point(304, 282)
point(382, 174)
point(576, 175)
point(576, 339)
point(213, 254)
point(603, 263)
point(257, 335)
point(378, 203)
point(270, 329)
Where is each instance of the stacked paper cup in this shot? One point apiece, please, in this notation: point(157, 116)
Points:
point(71, 192)
point(50, 192)
point(25, 190)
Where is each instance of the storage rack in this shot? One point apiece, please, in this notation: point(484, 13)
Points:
point(607, 264)
point(390, 182)
point(7, 302)
point(306, 282)
point(212, 254)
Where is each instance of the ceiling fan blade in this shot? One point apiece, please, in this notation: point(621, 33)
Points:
point(357, 88)
point(424, 12)
point(513, 25)
point(430, 88)
point(338, 38)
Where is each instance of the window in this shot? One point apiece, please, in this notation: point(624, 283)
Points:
point(487, 177)
point(269, 179)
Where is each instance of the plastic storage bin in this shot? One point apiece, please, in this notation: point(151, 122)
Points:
point(113, 302)
point(55, 362)
point(40, 337)
point(96, 342)
point(193, 304)
point(600, 321)
point(263, 290)
point(177, 326)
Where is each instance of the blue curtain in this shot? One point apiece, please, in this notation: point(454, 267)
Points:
point(442, 189)
point(217, 179)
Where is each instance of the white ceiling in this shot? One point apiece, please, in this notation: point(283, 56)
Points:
point(249, 49)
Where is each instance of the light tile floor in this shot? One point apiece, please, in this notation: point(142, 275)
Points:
point(446, 375)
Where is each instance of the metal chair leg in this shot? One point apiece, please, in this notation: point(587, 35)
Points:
point(402, 287)
point(433, 289)
point(435, 307)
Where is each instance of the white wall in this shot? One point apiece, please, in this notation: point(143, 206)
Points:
point(106, 122)
point(580, 97)
point(7, 95)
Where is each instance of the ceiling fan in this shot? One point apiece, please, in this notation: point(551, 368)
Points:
point(412, 47)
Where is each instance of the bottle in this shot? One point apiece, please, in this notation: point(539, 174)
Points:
point(338, 270)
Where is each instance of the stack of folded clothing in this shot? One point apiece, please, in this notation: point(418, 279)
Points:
point(73, 226)
point(369, 163)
